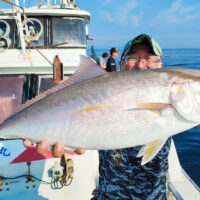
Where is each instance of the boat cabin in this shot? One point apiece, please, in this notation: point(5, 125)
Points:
point(34, 36)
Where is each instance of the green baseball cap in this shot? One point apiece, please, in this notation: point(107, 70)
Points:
point(154, 45)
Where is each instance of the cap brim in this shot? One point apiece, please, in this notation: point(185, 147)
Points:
point(154, 45)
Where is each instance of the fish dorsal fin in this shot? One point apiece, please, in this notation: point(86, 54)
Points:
point(150, 150)
point(87, 69)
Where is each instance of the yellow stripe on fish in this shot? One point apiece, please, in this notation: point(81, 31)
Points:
point(92, 109)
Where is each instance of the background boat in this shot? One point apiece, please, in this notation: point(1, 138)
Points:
point(39, 47)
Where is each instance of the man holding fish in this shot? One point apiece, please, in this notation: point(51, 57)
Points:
point(121, 174)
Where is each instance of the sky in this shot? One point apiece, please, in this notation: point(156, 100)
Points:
point(172, 23)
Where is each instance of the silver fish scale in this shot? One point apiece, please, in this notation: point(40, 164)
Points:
point(103, 112)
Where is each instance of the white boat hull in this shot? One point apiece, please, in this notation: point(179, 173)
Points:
point(19, 186)
point(181, 187)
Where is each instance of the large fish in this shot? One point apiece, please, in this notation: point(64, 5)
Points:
point(99, 110)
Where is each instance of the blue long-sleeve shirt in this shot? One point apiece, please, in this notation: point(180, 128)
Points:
point(122, 177)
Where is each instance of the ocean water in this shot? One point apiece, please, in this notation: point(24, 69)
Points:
point(188, 142)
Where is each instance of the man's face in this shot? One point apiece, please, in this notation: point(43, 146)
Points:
point(141, 58)
point(105, 58)
point(115, 54)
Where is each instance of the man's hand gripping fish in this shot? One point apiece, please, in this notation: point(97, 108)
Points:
point(99, 110)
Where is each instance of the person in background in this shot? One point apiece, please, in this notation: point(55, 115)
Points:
point(111, 65)
point(101, 60)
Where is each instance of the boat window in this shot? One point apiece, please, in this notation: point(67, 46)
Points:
point(36, 31)
point(70, 30)
point(6, 33)
point(35, 27)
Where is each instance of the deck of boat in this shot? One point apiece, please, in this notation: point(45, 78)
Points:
point(180, 185)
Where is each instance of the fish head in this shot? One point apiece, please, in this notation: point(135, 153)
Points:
point(185, 97)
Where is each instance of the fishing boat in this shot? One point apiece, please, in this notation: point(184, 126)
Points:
point(39, 47)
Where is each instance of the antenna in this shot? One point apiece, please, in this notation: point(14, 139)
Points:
point(48, 3)
point(66, 3)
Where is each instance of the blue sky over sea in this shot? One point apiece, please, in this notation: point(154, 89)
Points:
point(173, 23)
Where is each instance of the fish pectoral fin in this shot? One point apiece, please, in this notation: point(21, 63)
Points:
point(150, 150)
point(141, 152)
point(153, 107)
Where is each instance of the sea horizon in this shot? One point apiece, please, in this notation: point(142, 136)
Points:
point(185, 57)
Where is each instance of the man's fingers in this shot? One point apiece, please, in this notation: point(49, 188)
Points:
point(95, 191)
point(42, 147)
point(198, 126)
point(58, 149)
point(80, 151)
point(27, 143)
